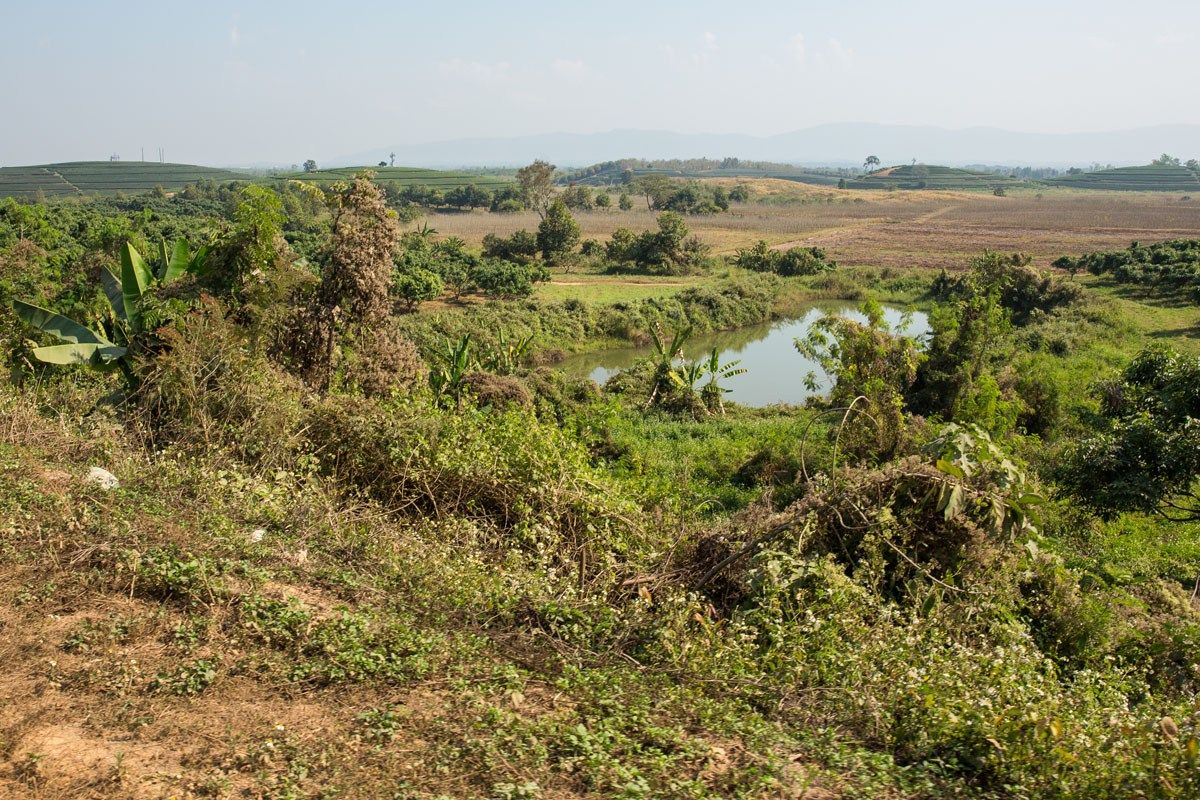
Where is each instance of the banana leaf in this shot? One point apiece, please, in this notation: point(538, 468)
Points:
point(57, 325)
point(92, 353)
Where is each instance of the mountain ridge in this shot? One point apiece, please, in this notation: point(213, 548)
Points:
point(830, 144)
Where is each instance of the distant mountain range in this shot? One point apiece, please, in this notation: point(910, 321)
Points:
point(839, 144)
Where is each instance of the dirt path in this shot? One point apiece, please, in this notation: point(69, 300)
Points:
point(834, 235)
point(616, 283)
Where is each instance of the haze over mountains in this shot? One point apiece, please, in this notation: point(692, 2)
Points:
point(838, 144)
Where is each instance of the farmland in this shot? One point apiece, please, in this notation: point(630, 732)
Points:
point(105, 177)
point(930, 176)
point(1150, 178)
point(615, 173)
point(935, 229)
point(399, 177)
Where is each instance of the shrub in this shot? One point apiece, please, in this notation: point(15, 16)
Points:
point(211, 389)
point(788, 263)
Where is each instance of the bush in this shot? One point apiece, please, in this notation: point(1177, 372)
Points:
point(667, 251)
point(788, 263)
point(211, 389)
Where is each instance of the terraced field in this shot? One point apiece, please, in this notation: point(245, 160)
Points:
point(104, 177)
point(1151, 178)
point(407, 176)
point(931, 176)
point(798, 175)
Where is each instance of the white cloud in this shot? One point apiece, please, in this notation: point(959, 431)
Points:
point(798, 49)
point(710, 40)
point(477, 71)
point(840, 52)
point(569, 69)
point(234, 35)
point(1173, 38)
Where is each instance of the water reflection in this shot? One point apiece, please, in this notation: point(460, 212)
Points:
point(776, 372)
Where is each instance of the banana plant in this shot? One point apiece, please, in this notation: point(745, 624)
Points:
point(508, 354)
point(665, 352)
point(713, 391)
point(450, 366)
point(100, 349)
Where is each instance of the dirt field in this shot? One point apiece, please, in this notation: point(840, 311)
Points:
point(929, 229)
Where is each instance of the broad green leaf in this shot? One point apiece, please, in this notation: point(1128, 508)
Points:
point(92, 353)
point(57, 325)
point(953, 503)
point(112, 290)
point(179, 262)
point(135, 280)
point(950, 468)
point(164, 259)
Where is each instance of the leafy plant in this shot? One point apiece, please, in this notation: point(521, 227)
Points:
point(713, 391)
point(449, 367)
point(127, 295)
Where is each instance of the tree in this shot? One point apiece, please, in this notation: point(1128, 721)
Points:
point(1147, 459)
point(1166, 160)
point(358, 271)
point(871, 161)
point(537, 185)
point(310, 165)
point(414, 286)
point(558, 232)
point(871, 368)
point(383, 163)
point(1193, 165)
point(392, 159)
point(603, 200)
point(624, 203)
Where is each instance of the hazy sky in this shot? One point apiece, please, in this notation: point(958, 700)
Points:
point(239, 82)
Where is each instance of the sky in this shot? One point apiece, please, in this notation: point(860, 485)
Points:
point(237, 83)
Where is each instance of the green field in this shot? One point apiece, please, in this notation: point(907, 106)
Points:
point(931, 176)
point(407, 176)
point(104, 177)
point(616, 174)
point(1151, 178)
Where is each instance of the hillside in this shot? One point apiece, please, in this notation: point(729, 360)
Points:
point(614, 172)
point(1150, 178)
point(104, 177)
point(407, 176)
point(930, 176)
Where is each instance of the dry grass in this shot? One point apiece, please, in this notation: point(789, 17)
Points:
point(899, 229)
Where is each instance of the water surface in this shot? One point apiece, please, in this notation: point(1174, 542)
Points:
point(776, 371)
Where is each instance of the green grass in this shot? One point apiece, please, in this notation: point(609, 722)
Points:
point(105, 177)
point(933, 176)
point(1150, 178)
point(407, 176)
point(615, 175)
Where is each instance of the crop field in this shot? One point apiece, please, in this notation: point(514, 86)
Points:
point(408, 176)
point(920, 176)
point(104, 177)
point(797, 174)
point(900, 229)
point(1151, 178)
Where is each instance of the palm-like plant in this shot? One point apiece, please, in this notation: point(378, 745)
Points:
point(713, 391)
point(665, 352)
point(508, 354)
point(450, 367)
point(109, 350)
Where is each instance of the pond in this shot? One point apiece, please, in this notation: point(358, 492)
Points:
point(776, 372)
